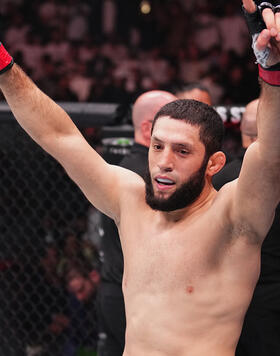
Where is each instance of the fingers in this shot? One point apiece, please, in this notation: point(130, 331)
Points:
point(249, 6)
point(277, 22)
point(263, 40)
point(270, 21)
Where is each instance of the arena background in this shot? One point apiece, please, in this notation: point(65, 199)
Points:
point(94, 58)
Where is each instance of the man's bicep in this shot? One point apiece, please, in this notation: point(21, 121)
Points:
point(97, 179)
point(257, 191)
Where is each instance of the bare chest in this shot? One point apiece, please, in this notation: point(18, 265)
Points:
point(176, 256)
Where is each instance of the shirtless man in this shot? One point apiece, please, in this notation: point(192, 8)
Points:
point(192, 261)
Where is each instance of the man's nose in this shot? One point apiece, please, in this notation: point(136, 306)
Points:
point(165, 161)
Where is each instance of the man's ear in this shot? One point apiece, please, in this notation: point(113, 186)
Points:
point(146, 129)
point(215, 163)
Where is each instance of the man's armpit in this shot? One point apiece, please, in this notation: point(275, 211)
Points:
point(244, 230)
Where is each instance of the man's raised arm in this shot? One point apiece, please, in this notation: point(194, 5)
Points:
point(258, 188)
point(50, 126)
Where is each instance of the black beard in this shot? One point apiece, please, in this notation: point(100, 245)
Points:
point(183, 196)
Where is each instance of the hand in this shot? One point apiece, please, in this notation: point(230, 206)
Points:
point(249, 6)
point(268, 38)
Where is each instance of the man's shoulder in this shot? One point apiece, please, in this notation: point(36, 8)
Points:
point(226, 193)
point(224, 199)
point(131, 183)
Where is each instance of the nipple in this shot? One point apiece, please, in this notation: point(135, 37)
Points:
point(189, 289)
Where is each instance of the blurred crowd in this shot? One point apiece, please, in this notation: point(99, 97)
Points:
point(112, 51)
point(52, 286)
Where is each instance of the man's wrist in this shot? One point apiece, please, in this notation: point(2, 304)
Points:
point(6, 60)
point(270, 76)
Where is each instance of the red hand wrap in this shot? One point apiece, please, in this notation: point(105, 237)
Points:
point(6, 61)
point(271, 77)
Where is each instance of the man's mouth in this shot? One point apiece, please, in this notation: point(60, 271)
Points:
point(164, 183)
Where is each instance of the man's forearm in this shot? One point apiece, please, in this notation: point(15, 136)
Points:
point(269, 121)
point(39, 115)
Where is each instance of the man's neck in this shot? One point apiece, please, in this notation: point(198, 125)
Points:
point(207, 195)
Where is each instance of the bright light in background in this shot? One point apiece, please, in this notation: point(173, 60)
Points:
point(145, 7)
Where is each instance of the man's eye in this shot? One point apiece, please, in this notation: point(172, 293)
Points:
point(157, 147)
point(183, 152)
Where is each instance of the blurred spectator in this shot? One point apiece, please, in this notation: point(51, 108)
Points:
point(82, 283)
point(207, 33)
point(156, 66)
point(126, 66)
point(32, 50)
point(114, 48)
point(64, 92)
point(57, 47)
point(211, 81)
point(49, 262)
point(17, 31)
point(233, 30)
point(78, 25)
point(191, 64)
point(87, 49)
point(100, 66)
point(94, 230)
point(237, 90)
point(48, 12)
point(46, 75)
point(75, 250)
point(249, 134)
point(232, 142)
point(194, 91)
point(80, 83)
point(178, 35)
point(109, 17)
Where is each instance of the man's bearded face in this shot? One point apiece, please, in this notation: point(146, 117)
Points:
point(184, 196)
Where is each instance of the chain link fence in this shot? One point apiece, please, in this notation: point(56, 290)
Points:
point(49, 255)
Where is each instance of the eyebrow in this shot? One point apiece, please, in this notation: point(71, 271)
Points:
point(156, 139)
point(179, 144)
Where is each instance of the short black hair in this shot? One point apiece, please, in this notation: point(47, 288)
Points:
point(187, 87)
point(196, 113)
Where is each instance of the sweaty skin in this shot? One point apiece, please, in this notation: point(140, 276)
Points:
point(188, 274)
